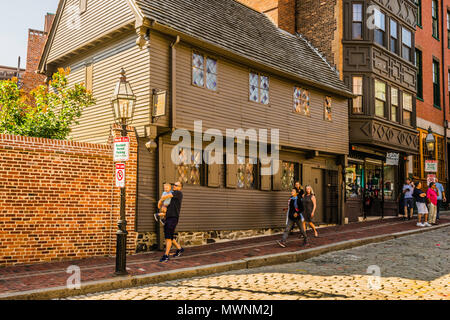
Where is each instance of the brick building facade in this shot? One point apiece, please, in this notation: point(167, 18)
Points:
point(58, 200)
point(433, 63)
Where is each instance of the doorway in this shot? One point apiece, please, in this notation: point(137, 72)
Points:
point(317, 185)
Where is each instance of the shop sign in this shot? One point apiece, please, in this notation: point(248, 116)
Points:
point(431, 166)
point(392, 159)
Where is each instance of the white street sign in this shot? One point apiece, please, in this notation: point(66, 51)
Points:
point(121, 149)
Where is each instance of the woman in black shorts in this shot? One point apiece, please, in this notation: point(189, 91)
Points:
point(309, 205)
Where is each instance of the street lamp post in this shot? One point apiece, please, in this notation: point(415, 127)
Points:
point(123, 103)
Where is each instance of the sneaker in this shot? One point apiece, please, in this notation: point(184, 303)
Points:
point(281, 244)
point(420, 224)
point(178, 253)
point(426, 224)
point(165, 258)
point(156, 216)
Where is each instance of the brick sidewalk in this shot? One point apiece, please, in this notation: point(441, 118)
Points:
point(53, 275)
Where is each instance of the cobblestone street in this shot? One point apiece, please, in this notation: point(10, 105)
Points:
point(413, 267)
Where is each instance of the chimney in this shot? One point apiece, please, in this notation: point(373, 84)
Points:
point(48, 22)
point(281, 12)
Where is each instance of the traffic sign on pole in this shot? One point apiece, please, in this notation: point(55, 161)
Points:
point(120, 175)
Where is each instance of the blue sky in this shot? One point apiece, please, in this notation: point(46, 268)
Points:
point(17, 17)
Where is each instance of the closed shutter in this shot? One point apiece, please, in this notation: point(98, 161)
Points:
point(265, 180)
point(306, 175)
point(277, 176)
point(231, 172)
point(214, 175)
point(89, 77)
point(169, 168)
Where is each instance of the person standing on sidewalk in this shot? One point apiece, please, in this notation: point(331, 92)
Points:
point(421, 199)
point(294, 217)
point(432, 195)
point(408, 200)
point(310, 205)
point(441, 197)
point(172, 218)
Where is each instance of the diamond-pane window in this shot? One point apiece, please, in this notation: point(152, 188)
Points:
point(189, 171)
point(211, 74)
point(246, 177)
point(254, 87)
point(198, 70)
point(288, 176)
point(204, 72)
point(301, 101)
point(259, 88)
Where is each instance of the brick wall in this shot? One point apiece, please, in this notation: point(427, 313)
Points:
point(58, 200)
point(321, 23)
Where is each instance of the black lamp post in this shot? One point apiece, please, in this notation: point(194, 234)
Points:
point(123, 103)
point(430, 141)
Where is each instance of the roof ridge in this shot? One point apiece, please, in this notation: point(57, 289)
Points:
point(320, 54)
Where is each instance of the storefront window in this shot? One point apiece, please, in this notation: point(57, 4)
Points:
point(354, 181)
point(390, 182)
point(373, 185)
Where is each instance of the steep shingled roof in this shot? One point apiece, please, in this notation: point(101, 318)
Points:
point(243, 31)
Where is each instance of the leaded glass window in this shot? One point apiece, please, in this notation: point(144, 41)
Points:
point(258, 88)
point(211, 74)
point(204, 72)
point(198, 70)
point(328, 116)
point(264, 89)
point(246, 173)
point(289, 175)
point(189, 170)
point(301, 101)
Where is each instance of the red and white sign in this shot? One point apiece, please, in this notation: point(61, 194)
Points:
point(121, 149)
point(120, 175)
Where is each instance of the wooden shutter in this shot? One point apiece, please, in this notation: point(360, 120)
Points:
point(213, 175)
point(169, 168)
point(89, 77)
point(231, 173)
point(276, 176)
point(306, 175)
point(265, 181)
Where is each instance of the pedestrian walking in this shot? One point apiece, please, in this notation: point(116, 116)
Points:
point(300, 194)
point(309, 205)
point(441, 197)
point(432, 195)
point(172, 218)
point(408, 200)
point(421, 198)
point(294, 218)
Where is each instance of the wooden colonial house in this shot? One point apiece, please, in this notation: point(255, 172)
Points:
point(230, 67)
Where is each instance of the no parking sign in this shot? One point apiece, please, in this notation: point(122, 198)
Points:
point(120, 175)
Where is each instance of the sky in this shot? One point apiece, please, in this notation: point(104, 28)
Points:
point(17, 17)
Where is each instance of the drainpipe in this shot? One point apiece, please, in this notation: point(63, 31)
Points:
point(444, 98)
point(173, 78)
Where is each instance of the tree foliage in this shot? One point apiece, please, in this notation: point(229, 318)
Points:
point(48, 112)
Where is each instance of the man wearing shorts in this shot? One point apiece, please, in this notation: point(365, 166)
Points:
point(408, 201)
point(172, 217)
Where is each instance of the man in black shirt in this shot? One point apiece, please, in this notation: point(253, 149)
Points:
point(172, 217)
